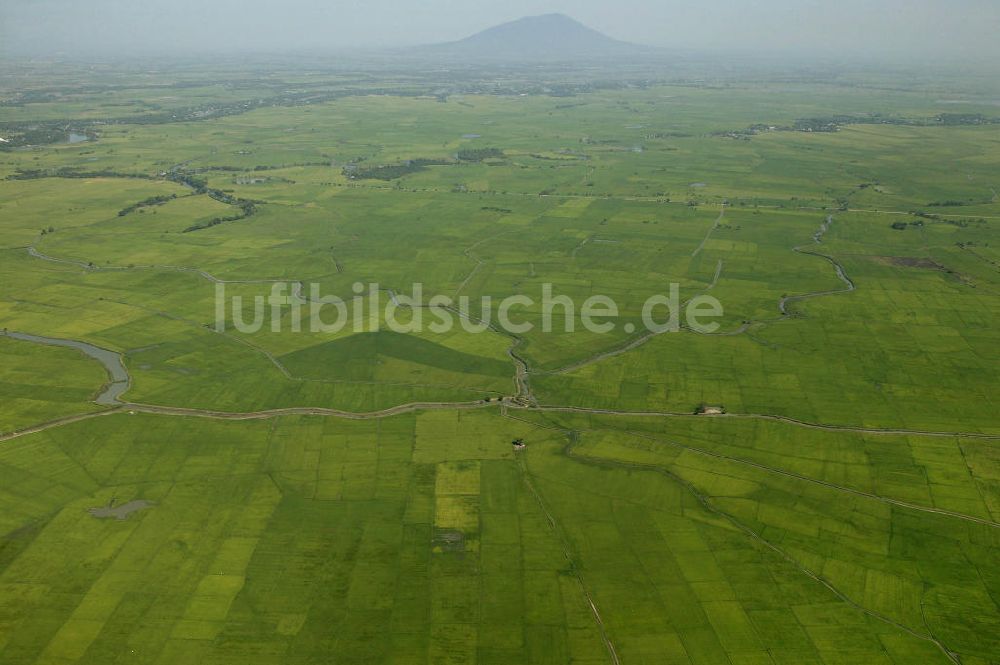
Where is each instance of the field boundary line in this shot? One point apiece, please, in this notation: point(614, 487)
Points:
point(783, 303)
point(763, 416)
point(58, 422)
point(707, 503)
point(567, 552)
point(816, 481)
point(460, 406)
point(629, 345)
point(715, 225)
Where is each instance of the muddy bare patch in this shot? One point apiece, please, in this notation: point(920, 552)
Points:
point(448, 540)
point(909, 262)
point(121, 512)
point(923, 264)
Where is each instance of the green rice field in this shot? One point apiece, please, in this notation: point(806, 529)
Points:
point(295, 497)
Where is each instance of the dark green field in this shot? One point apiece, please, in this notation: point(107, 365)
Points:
point(355, 498)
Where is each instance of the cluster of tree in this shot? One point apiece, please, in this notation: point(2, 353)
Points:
point(439, 87)
point(947, 204)
point(479, 154)
point(953, 203)
point(835, 122)
point(228, 199)
point(43, 132)
point(19, 99)
point(392, 171)
point(652, 136)
point(36, 136)
point(746, 134)
point(71, 172)
point(965, 222)
point(831, 124)
point(247, 208)
point(387, 172)
point(921, 215)
point(151, 201)
point(207, 111)
point(961, 119)
point(199, 185)
point(563, 157)
point(260, 167)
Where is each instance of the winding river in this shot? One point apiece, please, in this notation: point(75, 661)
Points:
point(112, 362)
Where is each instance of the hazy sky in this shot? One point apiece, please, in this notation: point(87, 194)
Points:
point(861, 27)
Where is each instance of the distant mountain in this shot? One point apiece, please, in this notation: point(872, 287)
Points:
point(549, 37)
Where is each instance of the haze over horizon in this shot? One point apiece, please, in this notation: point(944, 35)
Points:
point(923, 29)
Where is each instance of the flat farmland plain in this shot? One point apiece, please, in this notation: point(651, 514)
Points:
point(283, 496)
